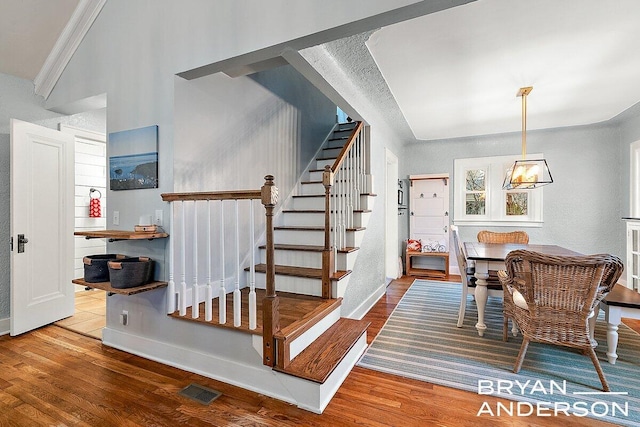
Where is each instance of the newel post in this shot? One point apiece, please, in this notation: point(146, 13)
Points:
point(328, 260)
point(270, 314)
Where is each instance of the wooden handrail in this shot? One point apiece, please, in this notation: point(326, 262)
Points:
point(215, 195)
point(328, 177)
point(346, 148)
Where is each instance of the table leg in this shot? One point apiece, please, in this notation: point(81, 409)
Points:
point(613, 316)
point(481, 295)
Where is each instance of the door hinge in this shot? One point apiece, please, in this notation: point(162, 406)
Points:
point(11, 243)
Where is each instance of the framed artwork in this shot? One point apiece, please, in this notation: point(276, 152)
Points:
point(133, 159)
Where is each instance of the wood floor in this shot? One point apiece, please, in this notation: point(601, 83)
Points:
point(90, 314)
point(53, 376)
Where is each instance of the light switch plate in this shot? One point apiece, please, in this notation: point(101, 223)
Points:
point(116, 217)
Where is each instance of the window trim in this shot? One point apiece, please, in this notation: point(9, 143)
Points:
point(496, 197)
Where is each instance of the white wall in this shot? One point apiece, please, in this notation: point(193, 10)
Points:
point(231, 132)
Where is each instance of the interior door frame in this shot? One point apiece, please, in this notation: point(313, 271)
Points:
point(391, 233)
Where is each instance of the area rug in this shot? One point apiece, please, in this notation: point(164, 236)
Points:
point(421, 341)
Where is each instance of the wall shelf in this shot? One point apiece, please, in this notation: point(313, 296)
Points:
point(115, 235)
point(106, 286)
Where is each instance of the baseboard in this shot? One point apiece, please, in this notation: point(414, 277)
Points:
point(257, 378)
point(368, 303)
point(5, 326)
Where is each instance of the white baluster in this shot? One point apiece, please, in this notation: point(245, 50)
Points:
point(182, 299)
point(208, 294)
point(253, 312)
point(171, 287)
point(222, 300)
point(237, 297)
point(195, 301)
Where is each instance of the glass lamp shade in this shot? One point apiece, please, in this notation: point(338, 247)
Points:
point(527, 174)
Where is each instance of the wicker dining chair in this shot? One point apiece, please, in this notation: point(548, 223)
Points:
point(469, 284)
point(554, 297)
point(486, 236)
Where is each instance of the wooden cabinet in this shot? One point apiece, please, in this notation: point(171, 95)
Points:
point(113, 236)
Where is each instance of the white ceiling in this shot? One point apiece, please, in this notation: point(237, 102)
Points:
point(28, 31)
point(455, 73)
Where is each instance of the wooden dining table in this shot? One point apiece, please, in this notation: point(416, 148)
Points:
point(491, 256)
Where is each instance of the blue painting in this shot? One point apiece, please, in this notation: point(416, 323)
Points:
point(133, 159)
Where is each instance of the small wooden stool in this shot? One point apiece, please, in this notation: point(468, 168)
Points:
point(426, 272)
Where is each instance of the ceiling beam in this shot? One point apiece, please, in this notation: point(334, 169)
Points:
point(83, 16)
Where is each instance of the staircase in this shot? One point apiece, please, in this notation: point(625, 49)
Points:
point(314, 347)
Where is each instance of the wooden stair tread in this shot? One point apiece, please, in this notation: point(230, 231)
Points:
point(293, 308)
point(321, 211)
point(306, 272)
point(312, 228)
point(308, 248)
point(318, 360)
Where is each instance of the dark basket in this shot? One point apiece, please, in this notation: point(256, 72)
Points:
point(130, 272)
point(95, 267)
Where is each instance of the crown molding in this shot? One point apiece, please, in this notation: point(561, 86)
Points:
point(81, 20)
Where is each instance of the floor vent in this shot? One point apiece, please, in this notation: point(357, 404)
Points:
point(200, 394)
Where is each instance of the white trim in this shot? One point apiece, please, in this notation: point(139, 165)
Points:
point(634, 196)
point(360, 311)
point(429, 176)
point(495, 197)
point(83, 133)
point(5, 326)
point(72, 35)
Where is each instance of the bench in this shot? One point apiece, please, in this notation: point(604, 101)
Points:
point(426, 272)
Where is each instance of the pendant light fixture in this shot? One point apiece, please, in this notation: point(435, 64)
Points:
point(526, 174)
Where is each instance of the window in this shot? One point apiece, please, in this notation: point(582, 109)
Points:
point(480, 200)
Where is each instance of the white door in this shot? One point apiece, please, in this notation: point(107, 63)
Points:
point(429, 211)
point(42, 177)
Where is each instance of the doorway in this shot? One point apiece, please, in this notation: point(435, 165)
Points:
point(89, 317)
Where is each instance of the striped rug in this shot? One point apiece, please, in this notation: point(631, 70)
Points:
point(421, 341)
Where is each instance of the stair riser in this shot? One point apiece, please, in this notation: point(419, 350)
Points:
point(315, 238)
point(315, 176)
point(308, 203)
point(303, 285)
point(333, 152)
point(292, 284)
point(320, 164)
point(336, 143)
point(313, 189)
point(344, 261)
point(317, 203)
point(303, 341)
point(317, 219)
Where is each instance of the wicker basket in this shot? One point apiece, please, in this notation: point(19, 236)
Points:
point(96, 269)
point(130, 272)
